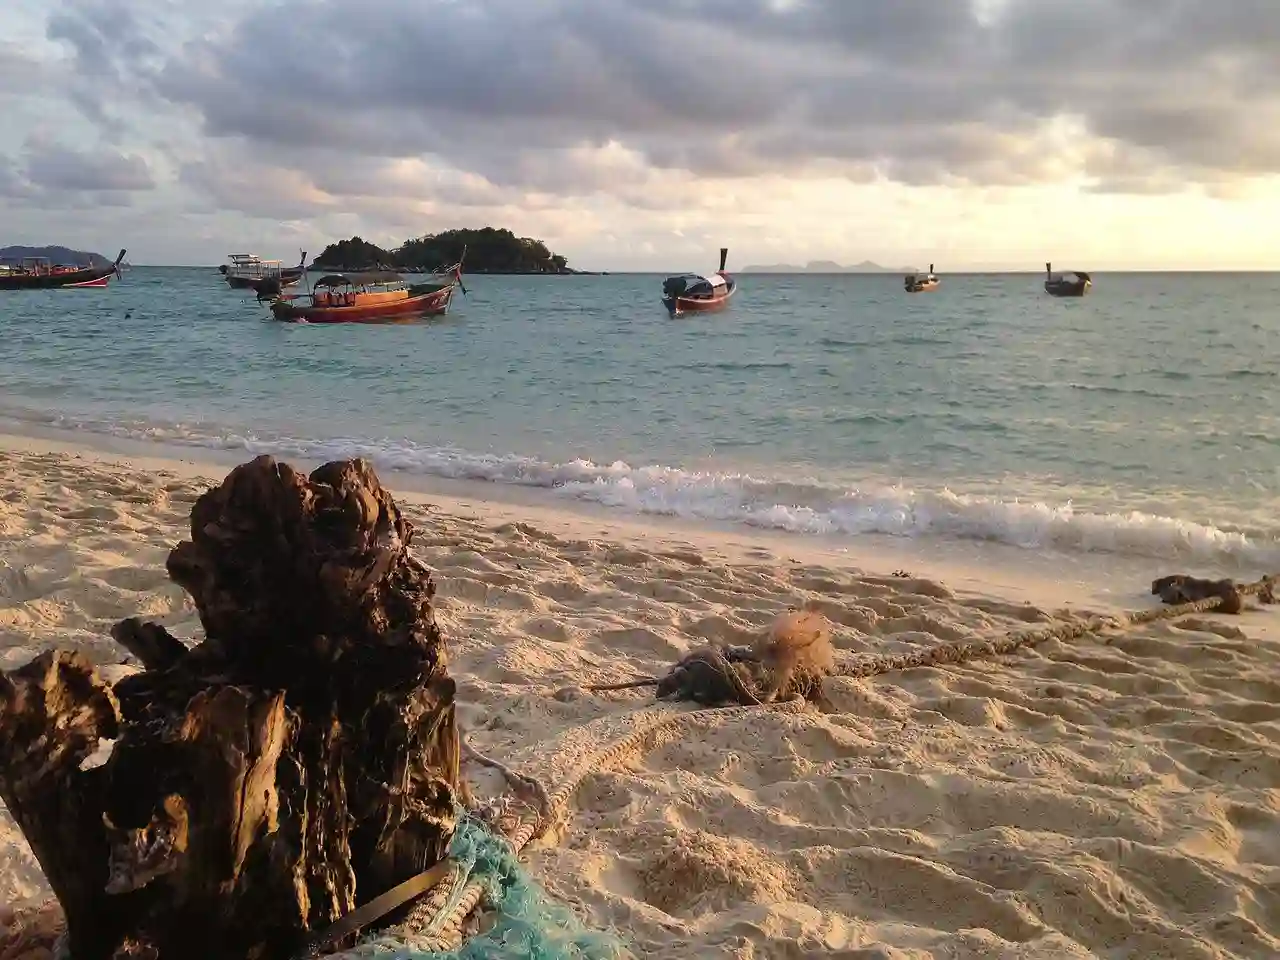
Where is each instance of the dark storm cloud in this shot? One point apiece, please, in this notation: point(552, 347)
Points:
point(111, 58)
point(13, 185)
point(48, 175)
point(920, 91)
point(53, 167)
point(106, 39)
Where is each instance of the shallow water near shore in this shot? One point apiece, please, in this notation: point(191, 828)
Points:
point(1138, 421)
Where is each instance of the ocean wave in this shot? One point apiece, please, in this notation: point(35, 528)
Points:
point(806, 506)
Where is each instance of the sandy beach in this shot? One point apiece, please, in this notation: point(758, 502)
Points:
point(1114, 796)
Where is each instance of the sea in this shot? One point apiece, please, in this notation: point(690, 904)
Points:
point(1140, 420)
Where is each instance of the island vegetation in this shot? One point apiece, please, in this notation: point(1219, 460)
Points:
point(59, 255)
point(488, 250)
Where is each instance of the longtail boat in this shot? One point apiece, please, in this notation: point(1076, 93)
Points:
point(694, 292)
point(920, 283)
point(247, 271)
point(381, 296)
point(38, 273)
point(1059, 286)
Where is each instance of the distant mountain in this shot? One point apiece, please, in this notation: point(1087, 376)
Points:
point(60, 255)
point(826, 266)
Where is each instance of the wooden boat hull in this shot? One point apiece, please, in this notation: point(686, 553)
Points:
point(432, 303)
point(96, 284)
point(680, 305)
point(89, 276)
point(926, 287)
point(286, 278)
point(1067, 289)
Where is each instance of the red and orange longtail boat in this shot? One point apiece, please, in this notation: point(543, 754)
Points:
point(694, 292)
point(380, 296)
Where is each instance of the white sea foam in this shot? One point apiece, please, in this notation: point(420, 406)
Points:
point(804, 507)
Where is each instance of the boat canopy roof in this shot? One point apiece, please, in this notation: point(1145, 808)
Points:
point(358, 279)
point(715, 280)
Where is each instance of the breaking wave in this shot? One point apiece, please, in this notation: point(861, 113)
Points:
point(808, 506)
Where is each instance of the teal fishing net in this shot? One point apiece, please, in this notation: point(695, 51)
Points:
point(528, 924)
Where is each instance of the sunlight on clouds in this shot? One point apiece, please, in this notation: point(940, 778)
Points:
point(988, 133)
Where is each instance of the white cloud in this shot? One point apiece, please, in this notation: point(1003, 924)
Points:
point(842, 129)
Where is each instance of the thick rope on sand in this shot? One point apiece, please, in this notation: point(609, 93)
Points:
point(438, 921)
point(946, 653)
point(437, 924)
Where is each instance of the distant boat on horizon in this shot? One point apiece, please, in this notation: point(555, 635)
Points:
point(1057, 285)
point(920, 283)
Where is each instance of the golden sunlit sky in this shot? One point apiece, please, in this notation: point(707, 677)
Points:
point(644, 134)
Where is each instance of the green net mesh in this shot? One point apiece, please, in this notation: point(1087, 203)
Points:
point(528, 925)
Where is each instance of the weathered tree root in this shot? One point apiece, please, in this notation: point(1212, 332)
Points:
point(302, 759)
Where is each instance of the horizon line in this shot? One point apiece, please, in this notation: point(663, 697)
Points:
point(889, 271)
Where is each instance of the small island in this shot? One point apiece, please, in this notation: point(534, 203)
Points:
point(488, 250)
point(63, 256)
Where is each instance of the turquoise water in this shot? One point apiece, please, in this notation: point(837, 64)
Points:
point(1141, 419)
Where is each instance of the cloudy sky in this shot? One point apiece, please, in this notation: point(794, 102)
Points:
point(644, 134)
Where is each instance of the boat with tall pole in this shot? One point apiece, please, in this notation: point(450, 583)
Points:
point(248, 271)
point(376, 296)
point(694, 292)
point(39, 273)
point(920, 282)
point(1057, 285)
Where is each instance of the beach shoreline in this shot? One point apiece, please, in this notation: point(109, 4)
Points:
point(1098, 581)
point(1112, 795)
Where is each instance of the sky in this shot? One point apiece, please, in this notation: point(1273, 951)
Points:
point(646, 134)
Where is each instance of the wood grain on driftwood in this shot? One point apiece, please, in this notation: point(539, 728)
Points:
point(300, 760)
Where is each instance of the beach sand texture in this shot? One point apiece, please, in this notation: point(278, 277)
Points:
point(1092, 798)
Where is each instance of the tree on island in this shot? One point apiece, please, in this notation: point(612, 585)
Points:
point(61, 255)
point(487, 251)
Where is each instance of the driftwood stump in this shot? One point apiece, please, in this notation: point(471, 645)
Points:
point(300, 760)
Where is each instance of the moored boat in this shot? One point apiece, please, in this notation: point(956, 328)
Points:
point(248, 271)
point(381, 296)
point(694, 292)
point(38, 273)
point(920, 283)
point(1058, 285)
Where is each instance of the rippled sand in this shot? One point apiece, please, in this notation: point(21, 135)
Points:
point(1110, 799)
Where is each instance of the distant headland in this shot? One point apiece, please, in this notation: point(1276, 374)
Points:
point(488, 250)
point(63, 256)
point(826, 266)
